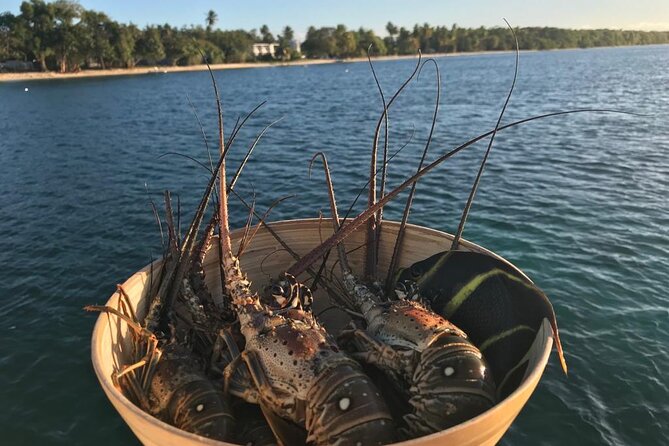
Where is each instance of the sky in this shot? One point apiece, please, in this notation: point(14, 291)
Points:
point(300, 14)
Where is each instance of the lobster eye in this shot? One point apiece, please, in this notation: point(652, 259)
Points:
point(415, 271)
point(276, 290)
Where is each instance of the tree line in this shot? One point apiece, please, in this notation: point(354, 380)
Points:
point(339, 42)
point(64, 36)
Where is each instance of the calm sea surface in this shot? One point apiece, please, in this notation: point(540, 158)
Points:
point(580, 203)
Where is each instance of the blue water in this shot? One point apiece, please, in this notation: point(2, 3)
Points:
point(579, 203)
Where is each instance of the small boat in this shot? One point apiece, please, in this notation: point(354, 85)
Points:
point(264, 258)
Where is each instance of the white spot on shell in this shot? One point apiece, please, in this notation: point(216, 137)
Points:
point(344, 403)
point(199, 407)
point(449, 371)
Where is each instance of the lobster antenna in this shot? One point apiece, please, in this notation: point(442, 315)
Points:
point(350, 209)
point(210, 170)
point(348, 253)
point(374, 222)
point(322, 267)
point(206, 143)
point(223, 245)
point(219, 109)
point(191, 234)
point(208, 233)
point(380, 121)
point(319, 274)
point(224, 233)
point(407, 208)
point(249, 152)
point(234, 134)
point(241, 166)
point(264, 218)
point(348, 229)
point(204, 134)
point(265, 258)
point(178, 226)
point(152, 279)
point(156, 216)
point(362, 189)
point(173, 247)
point(341, 250)
point(472, 193)
point(224, 304)
point(333, 206)
point(219, 171)
point(278, 238)
point(235, 131)
point(271, 230)
point(247, 226)
point(237, 128)
point(373, 228)
point(384, 168)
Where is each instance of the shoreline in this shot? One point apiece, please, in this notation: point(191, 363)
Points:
point(50, 75)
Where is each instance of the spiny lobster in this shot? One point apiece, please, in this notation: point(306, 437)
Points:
point(368, 303)
point(498, 307)
point(169, 378)
point(178, 336)
point(301, 377)
point(442, 374)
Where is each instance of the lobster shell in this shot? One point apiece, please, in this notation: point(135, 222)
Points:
point(110, 337)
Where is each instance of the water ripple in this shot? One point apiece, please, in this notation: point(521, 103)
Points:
point(578, 202)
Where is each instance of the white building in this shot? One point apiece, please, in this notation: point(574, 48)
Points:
point(265, 49)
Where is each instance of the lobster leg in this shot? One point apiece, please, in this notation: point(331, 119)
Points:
point(244, 390)
point(226, 335)
point(379, 354)
point(286, 432)
point(372, 351)
point(236, 379)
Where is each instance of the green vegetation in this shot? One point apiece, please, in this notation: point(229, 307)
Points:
point(341, 43)
point(63, 36)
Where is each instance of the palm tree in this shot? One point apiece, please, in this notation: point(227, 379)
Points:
point(392, 30)
point(211, 19)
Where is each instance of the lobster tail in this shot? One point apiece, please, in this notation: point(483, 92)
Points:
point(343, 409)
point(451, 384)
point(499, 308)
point(188, 400)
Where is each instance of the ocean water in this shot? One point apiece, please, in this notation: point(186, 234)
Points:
point(580, 203)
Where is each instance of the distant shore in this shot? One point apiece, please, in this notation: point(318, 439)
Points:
point(35, 75)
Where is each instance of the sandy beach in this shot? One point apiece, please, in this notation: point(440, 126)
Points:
point(10, 77)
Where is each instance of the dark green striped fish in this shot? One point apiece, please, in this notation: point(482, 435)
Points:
point(498, 308)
